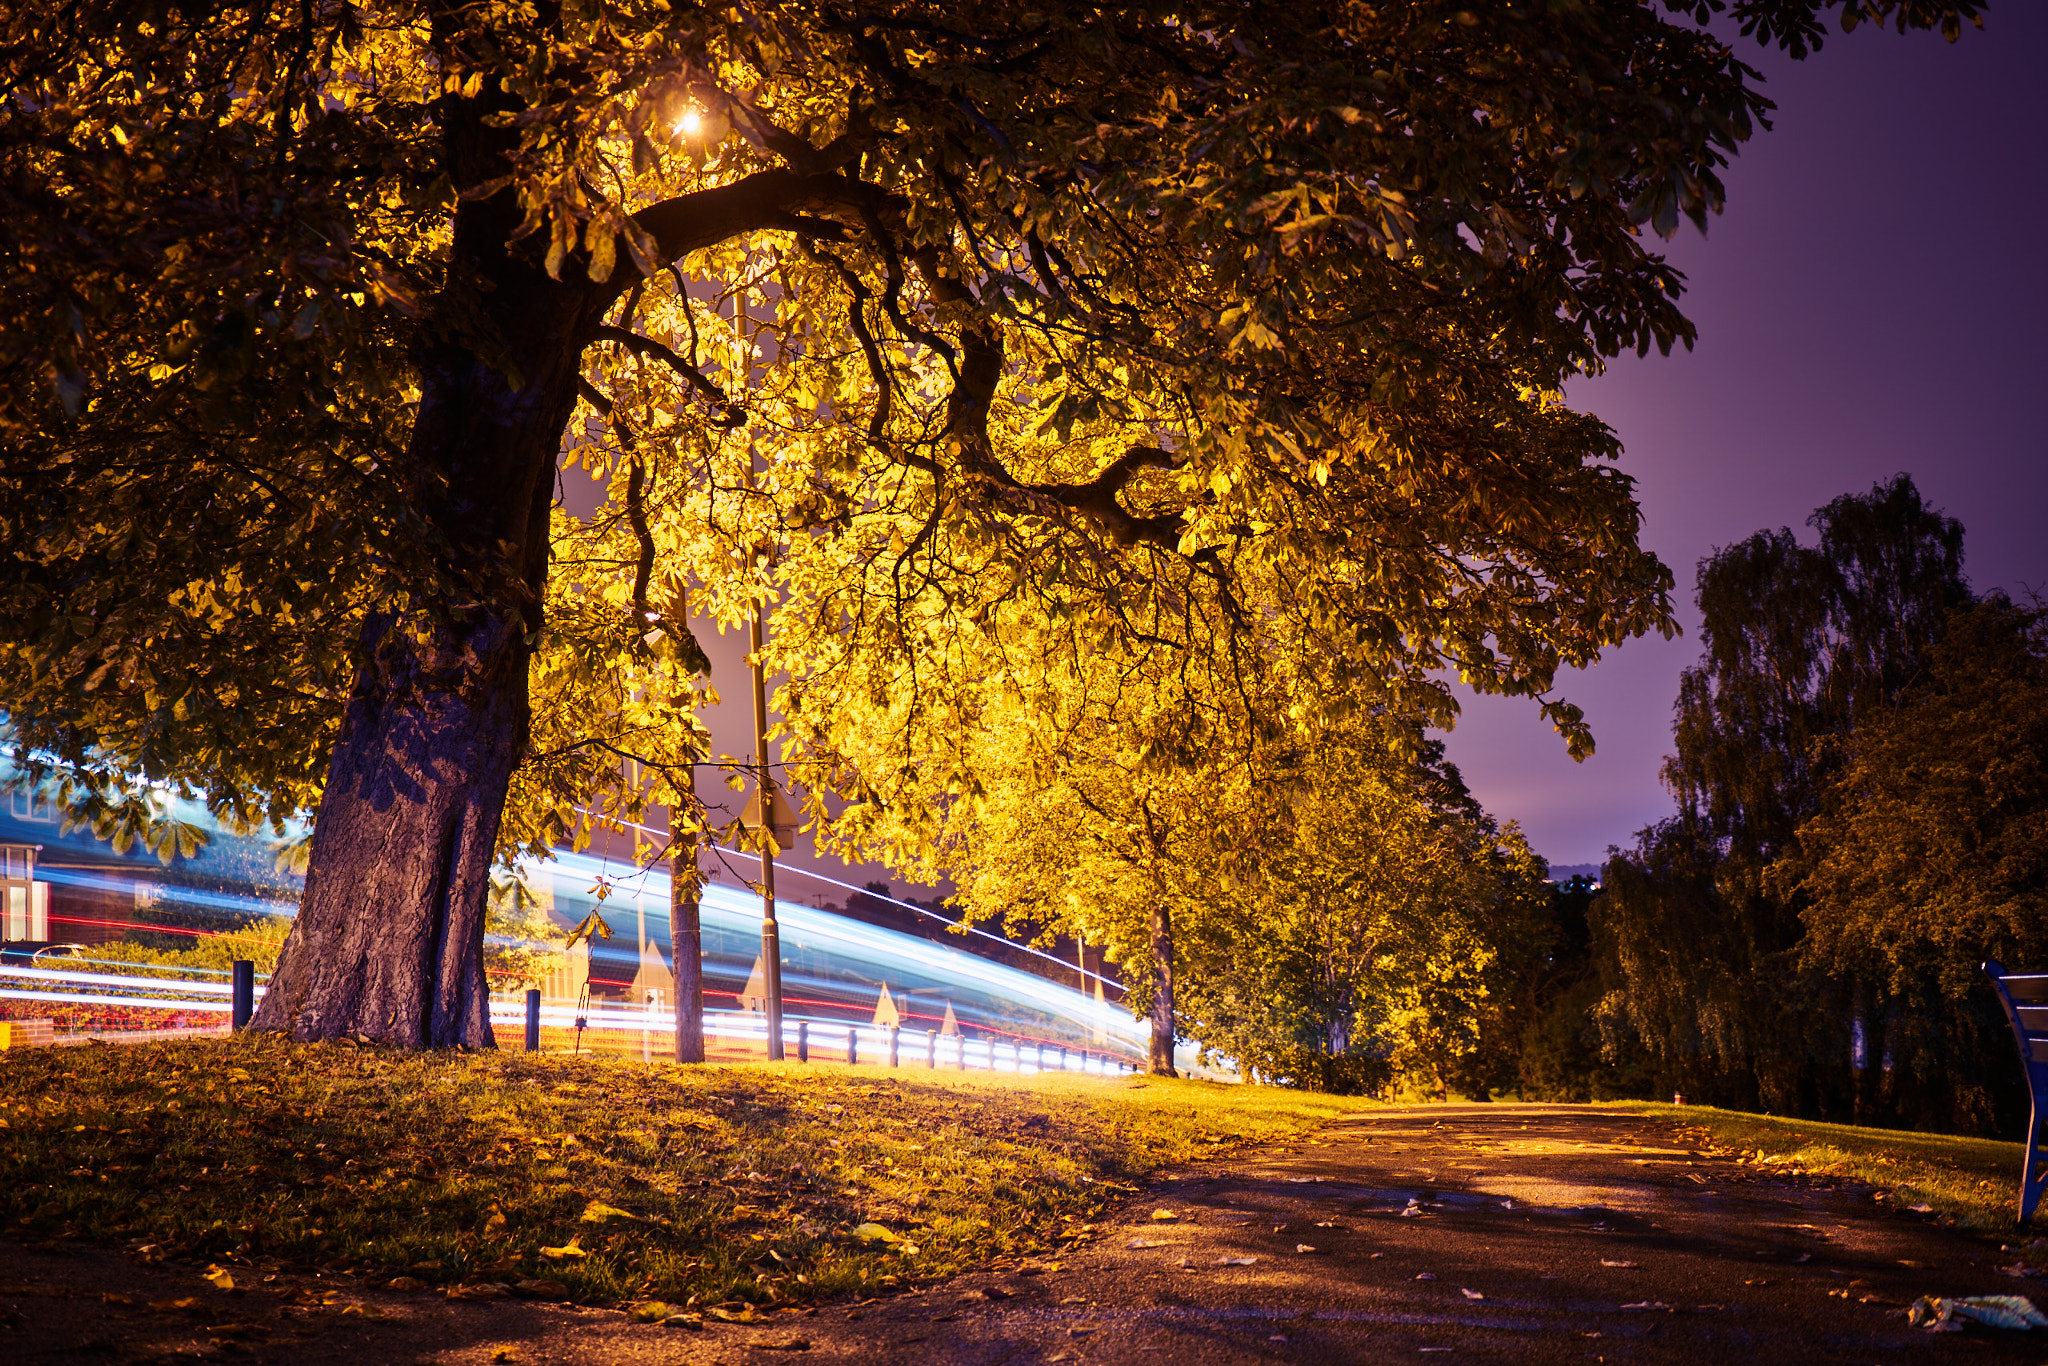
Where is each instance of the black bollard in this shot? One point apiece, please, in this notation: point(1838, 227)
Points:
point(242, 1000)
point(931, 1048)
point(533, 1019)
point(895, 1052)
point(852, 1047)
point(803, 1040)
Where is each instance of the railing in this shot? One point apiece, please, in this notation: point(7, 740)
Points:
point(154, 1001)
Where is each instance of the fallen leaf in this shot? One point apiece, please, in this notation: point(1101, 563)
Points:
point(1303, 1247)
point(1605, 1262)
point(571, 1249)
point(875, 1233)
point(1138, 1243)
point(1649, 1304)
point(480, 1290)
point(1425, 1276)
point(182, 1306)
point(1164, 1216)
point(1470, 1294)
point(649, 1311)
point(743, 1315)
point(598, 1212)
point(1328, 1223)
point(1235, 1261)
point(1921, 1209)
point(693, 1322)
point(221, 1278)
point(541, 1290)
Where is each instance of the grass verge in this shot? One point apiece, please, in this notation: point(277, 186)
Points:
point(704, 1185)
point(1969, 1183)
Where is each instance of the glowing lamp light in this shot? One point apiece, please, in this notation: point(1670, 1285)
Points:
point(689, 123)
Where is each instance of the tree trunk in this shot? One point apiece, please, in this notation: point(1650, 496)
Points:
point(388, 943)
point(686, 948)
point(1162, 990)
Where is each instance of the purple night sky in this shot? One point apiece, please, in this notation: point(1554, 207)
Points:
point(1872, 301)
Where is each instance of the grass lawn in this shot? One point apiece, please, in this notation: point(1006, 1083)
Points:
point(706, 1185)
point(1972, 1183)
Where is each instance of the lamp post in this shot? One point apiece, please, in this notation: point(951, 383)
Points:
point(773, 823)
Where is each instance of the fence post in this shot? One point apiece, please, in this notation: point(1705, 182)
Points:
point(243, 1001)
point(803, 1040)
point(931, 1048)
point(852, 1047)
point(962, 1040)
point(533, 1019)
point(895, 1033)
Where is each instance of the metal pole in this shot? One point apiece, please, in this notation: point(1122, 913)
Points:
point(243, 1002)
point(533, 1019)
point(895, 1039)
point(931, 1048)
point(852, 1047)
point(803, 1040)
point(771, 936)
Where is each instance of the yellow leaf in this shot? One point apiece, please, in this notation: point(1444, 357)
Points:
point(571, 1249)
point(597, 1212)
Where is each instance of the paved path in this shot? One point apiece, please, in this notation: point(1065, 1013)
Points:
point(1475, 1233)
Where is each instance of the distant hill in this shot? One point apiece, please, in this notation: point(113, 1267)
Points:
point(1564, 872)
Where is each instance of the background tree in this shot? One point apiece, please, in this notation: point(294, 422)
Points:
point(1365, 937)
point(1929, 854)
point(303, 299)
point(1707, 927)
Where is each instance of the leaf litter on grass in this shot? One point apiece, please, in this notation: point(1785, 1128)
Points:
point(619, 1182)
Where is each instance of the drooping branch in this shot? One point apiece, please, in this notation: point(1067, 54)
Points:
point(733, 416)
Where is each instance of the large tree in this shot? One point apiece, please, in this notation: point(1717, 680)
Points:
point(1802, 645)
point(302, 299)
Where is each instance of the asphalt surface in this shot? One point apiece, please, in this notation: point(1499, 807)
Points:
point(1481, 1233)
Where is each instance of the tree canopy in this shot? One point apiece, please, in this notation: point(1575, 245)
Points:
point(1168, 315)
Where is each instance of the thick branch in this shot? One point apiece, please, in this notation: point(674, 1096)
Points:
point(761, 202)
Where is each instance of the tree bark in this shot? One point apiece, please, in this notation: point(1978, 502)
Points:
point(686, 948)
point(1162, 990)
